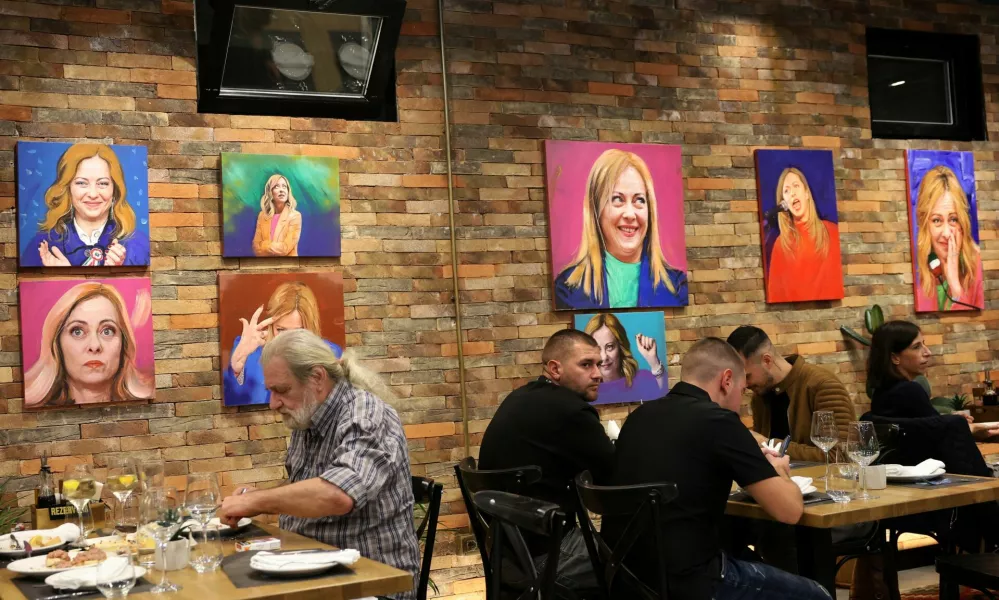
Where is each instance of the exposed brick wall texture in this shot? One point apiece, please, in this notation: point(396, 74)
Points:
point(719, 77)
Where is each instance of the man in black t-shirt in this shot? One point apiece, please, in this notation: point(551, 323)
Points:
point(550, 423)
point(693, 437)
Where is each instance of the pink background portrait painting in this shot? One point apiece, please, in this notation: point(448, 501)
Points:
point(568, 165)
point(38, 297)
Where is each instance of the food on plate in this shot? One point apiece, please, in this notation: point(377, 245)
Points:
point(40, 541)
point(60, 559)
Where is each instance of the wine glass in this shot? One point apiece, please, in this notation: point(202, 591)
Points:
point(161, 507)
point(824, 434)
point(123, 478)
point(862, 447)
point(202, 497)
point(152, 473)
point(79, 487)
point(116, 575)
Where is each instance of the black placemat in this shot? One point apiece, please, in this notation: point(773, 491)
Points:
point(33, 589)
point(237, 569)
point(252, 530)
point(940, 482)
point(810, 499)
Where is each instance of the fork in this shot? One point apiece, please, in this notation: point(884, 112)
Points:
point(16, 545)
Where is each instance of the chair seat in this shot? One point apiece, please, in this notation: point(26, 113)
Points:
point(972, 570)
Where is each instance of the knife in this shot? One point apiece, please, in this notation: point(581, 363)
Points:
point(67, 595)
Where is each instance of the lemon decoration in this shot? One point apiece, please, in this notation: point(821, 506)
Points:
point(70, 485)
point(127, 479)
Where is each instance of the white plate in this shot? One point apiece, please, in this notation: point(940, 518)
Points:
point(224, 529)
point(35, 566)
point(7, 552)
point(916, 478)
point(296, 570)
point(55, 580)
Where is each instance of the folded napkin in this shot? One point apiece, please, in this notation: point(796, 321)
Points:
point(802, 482)
point(112, 569)
point(271, 560)
point(930, 466)
point(613, 430)
point(67, 532)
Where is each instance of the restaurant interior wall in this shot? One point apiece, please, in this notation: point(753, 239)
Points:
point(719, 77)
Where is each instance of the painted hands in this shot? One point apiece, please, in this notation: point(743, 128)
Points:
point(254, 335)
point(52, 256)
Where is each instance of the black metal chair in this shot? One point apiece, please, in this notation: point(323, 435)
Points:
point(978, 571)
point(643, 507)
point(425, 491)
point(509, 515)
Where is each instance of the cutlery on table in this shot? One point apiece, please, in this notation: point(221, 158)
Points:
point(67, 595)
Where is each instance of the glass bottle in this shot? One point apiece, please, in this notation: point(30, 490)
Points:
point(47, 490)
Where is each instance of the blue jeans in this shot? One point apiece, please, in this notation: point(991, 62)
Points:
point(741, 580)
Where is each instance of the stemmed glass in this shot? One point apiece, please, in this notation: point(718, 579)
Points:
point(79, 487)
point(116, 575)
point(862, 447)
point(152, 473)
point(824, 434)
point(160, 506)
point(203, 496)
point(123, 478)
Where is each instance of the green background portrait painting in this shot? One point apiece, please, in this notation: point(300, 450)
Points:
point(280, 205)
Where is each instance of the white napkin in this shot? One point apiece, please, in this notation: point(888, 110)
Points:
point(802, 482)
point(113, 569)
point(271, 560)
point(613, 430)
point(67, 532)
point(930, 466)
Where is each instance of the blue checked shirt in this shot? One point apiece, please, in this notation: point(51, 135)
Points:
point(356, 442)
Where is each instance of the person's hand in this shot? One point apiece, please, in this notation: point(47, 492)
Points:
point(236, 507)
point(116, 254)
point(781, 464)
point(647, 348)
point(253, 337)
point(952, 268)
point(52, 256)
point(983, 431)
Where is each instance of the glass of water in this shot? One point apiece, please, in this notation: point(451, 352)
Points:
point(206, 554)
point(841, 481)
point(862, 447)
point(116, 575)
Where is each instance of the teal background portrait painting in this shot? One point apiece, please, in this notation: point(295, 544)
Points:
point(276, 205)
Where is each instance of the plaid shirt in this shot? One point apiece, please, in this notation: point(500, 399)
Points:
point(356, 442)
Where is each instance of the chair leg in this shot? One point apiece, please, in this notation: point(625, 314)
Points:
point(949, 590)
point(889, 553)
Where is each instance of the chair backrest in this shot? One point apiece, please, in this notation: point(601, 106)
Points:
point(509, 515)
point(641, 510)
point(889, 438)
point(426, 492)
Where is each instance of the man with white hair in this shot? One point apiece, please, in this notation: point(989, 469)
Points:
point(348, 465)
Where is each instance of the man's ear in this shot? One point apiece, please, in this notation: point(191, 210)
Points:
point(554, 368)
point(317, 376)
point(725, 381)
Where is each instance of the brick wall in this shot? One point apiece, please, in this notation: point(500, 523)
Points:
point(720, 77)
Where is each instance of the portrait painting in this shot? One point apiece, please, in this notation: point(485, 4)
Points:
point(280, 205)
point(82, 205)
point(86, 341)
point(943, 223)
point(632, 354)
point(256, 307)
point(615, 214)
point(799, 225)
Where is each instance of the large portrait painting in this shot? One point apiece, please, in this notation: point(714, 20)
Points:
point(255, 307)
point(86, 341)
point(280, 205)
point(82, 205)
point(799, 225)
point(943, 221)
point(632, 354)
point(615, 214)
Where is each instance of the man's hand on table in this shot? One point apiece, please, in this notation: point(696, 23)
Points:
point(237, 506)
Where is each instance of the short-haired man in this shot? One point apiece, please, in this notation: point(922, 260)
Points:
point(550, 423)
point(349, 483)
point(693, 437)
point(786, 391)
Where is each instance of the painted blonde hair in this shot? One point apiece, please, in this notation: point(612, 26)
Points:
point(45, 384)
point(814, 227)
point(938, 181)
point(295, 296)
point(267, 200)
point(59, 200)
point(629, 366)
point(587, 269)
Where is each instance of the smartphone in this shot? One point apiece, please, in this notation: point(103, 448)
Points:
point(784, 445)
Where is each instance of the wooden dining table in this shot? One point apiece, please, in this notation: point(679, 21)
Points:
point(813, 532)
point(365, 578)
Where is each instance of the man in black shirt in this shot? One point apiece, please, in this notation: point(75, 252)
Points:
point(693, 437)
point(550, 423)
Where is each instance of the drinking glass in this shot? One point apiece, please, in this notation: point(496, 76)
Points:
point(116, 575)
point(202, 497)
point(862, 447)
point(123, 478)
point(79, 487)
point(163, 509)
point(206, 555)
point(824, 434)
point(152, 473)
point(841, 481)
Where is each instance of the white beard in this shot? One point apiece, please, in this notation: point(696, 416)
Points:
point(301, 418)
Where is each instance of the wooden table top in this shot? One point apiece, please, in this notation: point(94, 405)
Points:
point(893, 501)
point(369, 578)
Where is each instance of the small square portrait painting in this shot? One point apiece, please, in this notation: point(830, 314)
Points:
point(799, 225)
point(280, 205)
point(86, 341)
point(632, 354)
point(943, 220)
point(615, 214)
point(82, 205)
point(255, 307)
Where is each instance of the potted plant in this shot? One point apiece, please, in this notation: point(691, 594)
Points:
point(10, 512)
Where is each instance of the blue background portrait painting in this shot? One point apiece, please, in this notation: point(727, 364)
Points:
point(622, 354)
point(274, 206)
point(116, 193)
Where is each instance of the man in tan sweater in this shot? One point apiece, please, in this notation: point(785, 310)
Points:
point(787, 391)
